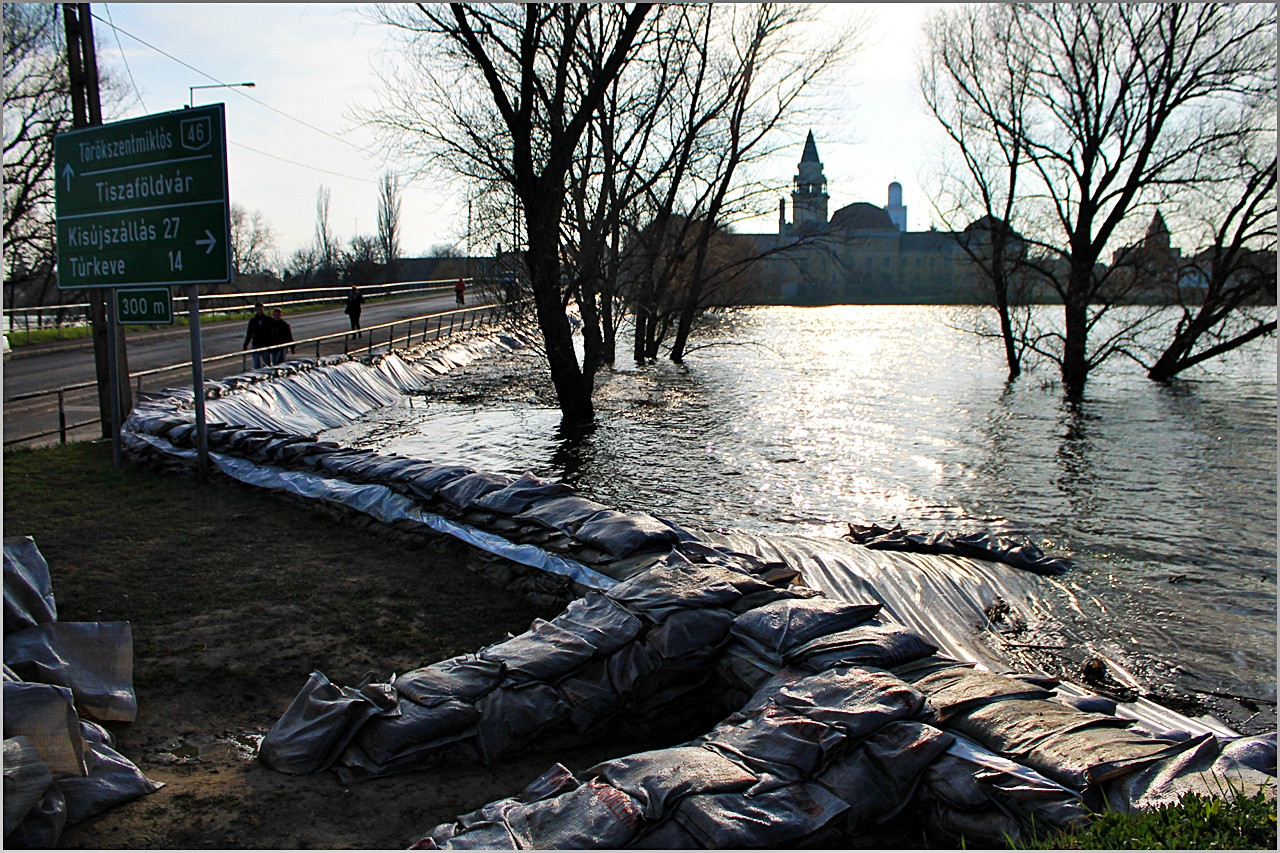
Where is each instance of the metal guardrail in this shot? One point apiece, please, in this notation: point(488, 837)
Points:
point(458, 320)
point(77, 314)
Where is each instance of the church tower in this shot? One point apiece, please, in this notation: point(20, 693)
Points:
point(1157, 235)
point(809, 198)
point(895, 208)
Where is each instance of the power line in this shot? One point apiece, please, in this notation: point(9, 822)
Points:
point(124, 58)
point(241, 92)
point(303, 165)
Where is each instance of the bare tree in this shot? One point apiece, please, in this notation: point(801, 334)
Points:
point(545, 71)
point(1123, 105)
point(326, 245)
point(360, 262)
point(253, 244)
point(1219, 290)
point(389, 223)
point(963, 89)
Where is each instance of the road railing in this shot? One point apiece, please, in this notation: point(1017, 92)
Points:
point(423, 328)
point(76, 314)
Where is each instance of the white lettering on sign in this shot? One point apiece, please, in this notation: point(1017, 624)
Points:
point(97, 236)
point(157, 139)
point(145, 186)
point(93, 267)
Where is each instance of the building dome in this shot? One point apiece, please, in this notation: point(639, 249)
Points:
point(861, 216)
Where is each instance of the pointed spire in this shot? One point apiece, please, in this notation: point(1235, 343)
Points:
point(810, 154)
point(1157, 228)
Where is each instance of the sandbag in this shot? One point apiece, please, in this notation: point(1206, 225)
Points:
point(674, 584)
point(1071, 747)
point(778, 628)
point(94, 659)
point(511, 715)
point(562, 513)
point(878, 645)
point(659, 778)
point(685, 632)
point(415, 727)
point(878, 778)
point(590, 694)
point(28, 590)
point(45, 715)
point(1204, 768)
point(112, 779)
point(857, 699)
point(777, 743)
point(594, 815)
point(465, 677)
point(954, 691)
point(543, 653)
point(623, 534)
point(778, 817)
point(599, 621)
point(316, 727)
point(26, 777)
point(518, 496)
point(43, 825)
point(466, 490)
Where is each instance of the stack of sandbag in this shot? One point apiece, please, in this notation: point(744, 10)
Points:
point(1026, 760)
point(633, 661)
point(60, 767)
point(811, 760)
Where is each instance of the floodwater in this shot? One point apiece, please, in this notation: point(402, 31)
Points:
point(798, 420)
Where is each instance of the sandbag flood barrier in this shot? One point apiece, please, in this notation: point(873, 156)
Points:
point(820, 693)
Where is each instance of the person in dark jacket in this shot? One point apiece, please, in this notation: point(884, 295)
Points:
point(281, 333)
point(258, 335)
point(460, 292)
point(354, 299)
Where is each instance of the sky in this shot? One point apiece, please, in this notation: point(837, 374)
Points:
point(314, 64)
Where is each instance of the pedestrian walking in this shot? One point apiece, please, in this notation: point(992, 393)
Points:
point(460, 292)
point(281, 333)
point(258, 335)
point(354, 300)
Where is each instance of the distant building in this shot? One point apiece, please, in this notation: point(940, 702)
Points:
point(862, 253)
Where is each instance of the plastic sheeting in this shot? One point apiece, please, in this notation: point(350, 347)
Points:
point(59, 768)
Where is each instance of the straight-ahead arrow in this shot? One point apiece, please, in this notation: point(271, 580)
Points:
point(68, 172)
point(210, 242)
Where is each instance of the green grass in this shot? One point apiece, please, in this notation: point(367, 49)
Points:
point(1196, 822)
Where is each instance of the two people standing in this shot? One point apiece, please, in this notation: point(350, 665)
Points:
point(267, 331)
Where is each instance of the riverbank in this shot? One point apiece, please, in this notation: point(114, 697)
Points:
point(234, 596)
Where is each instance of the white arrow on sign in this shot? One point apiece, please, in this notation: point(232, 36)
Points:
point(210, 242)
point(67, 173)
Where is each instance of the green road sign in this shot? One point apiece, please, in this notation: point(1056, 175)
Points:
point(144, 201)
point(151, 306)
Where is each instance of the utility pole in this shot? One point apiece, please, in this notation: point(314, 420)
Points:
point(108, 342)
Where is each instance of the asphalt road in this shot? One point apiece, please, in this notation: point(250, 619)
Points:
point(53, 367)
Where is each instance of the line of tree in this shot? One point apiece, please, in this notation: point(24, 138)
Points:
point(1070, 124)
point(616, 143)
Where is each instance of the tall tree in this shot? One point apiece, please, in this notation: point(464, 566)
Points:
point(963, 89)
point(545, 70)
point(389, 223)
point(326, 245)
point(1123, 105)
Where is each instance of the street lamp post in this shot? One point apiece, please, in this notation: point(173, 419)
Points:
point(191, 90)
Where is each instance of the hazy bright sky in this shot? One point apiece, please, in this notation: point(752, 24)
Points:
point(313, 63)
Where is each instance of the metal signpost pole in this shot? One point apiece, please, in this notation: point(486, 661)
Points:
point(113, 358)
point(197, 380)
